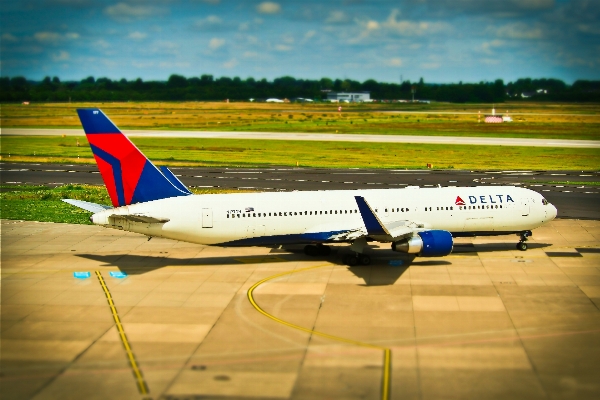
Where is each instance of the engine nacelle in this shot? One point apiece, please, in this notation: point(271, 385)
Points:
point(427, 243)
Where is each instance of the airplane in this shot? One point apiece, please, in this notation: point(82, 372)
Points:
point(419, 221)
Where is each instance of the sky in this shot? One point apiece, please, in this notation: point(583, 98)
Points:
point(440, 41)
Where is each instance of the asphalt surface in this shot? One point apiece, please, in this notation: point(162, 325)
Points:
point(485, 141)
point(573, 201)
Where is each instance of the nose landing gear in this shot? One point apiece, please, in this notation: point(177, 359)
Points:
point(522, 245)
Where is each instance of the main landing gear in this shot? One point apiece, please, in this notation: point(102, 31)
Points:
point(318, 250)
point(522, 245)
point(355, 259)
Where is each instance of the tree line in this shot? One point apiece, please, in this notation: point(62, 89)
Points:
point(207, 87)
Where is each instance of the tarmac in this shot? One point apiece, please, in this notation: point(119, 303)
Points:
point(162, 319)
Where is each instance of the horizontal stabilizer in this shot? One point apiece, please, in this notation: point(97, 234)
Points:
point(173, 179)
point(86, 205)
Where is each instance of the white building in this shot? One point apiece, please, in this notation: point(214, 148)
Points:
point(349, 97)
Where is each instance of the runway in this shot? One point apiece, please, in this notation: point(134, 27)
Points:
point(485, 141)
point(485, 322)
point(572, 200)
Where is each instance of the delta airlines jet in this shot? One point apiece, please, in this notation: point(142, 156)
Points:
point(420, 221)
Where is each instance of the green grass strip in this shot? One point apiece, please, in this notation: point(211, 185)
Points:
point(264, 153)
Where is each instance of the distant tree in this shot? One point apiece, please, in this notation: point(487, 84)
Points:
point(176, 81)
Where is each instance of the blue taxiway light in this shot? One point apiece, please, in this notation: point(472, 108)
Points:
point(395, 263)
point(118, 274)
point(82, 275)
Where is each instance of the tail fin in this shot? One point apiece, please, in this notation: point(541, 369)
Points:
point(128, 175)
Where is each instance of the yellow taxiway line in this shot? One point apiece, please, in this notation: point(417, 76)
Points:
point(387, 353)
point(141, 383)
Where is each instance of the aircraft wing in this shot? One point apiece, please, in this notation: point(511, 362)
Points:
point(378, 230)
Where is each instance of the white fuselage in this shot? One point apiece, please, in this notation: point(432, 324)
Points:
point(329, 216)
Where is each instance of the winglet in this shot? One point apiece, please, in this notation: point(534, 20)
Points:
point(372, 223)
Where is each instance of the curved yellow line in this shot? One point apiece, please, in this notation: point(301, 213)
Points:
point(387, 353)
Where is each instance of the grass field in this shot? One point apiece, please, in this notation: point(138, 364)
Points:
point(40, 203)
point(263, 153)
point(532, 120)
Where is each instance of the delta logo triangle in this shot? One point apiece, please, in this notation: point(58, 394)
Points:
point(459, 201)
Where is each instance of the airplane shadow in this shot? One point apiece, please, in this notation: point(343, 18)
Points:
point(386, 265)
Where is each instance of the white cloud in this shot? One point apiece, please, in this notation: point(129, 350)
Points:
point(124, 11)
point(431, 65)
point(101, 43)
point(337, 17)
point(216, 43)
point(61, 56)
point(372, 25)
point(283, 47)
point(490, 61)
point(211, 22)
point(143, 64)
point(587, 28)
point(268, 7)
point(9, 38)
point(250, 54)
point(394, 62)
point(413, 28)
point(309, 34)
point(230, 64)
point(53, 37)
point(137, 35)
point(518, 30)
point(491, 46)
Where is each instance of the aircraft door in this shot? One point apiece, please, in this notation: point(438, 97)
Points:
point(207, 218)
point(525, 205)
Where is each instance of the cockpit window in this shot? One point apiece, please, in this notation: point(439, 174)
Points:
point(544, 201)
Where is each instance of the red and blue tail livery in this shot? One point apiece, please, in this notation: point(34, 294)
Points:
point(128, 175)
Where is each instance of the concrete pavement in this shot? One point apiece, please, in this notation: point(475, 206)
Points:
point(485, 322)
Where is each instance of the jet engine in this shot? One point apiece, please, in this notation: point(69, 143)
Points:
point(433, 243)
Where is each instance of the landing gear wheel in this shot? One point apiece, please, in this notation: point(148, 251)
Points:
point(311, 250)
point(318, 250)
point(350, 260)
point(522, 246)
point(364, 259)
point(323, 250)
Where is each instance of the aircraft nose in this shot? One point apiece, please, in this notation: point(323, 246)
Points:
point(551, 212)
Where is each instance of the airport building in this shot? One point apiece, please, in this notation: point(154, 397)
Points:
point(351, 97)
